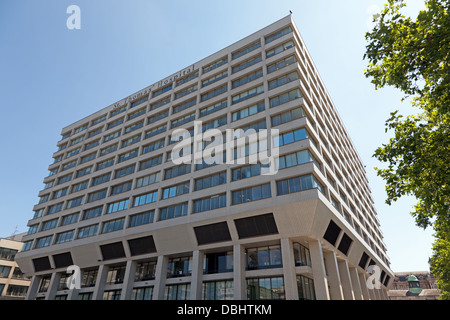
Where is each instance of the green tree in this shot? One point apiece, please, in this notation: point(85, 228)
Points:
point(413, 55)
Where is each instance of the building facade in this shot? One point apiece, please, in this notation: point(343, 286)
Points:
point(283, 211)
point(415, 285)
point(13, 283)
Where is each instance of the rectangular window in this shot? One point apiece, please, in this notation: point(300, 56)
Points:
point(179, 267)
point(214, 93)
point(64, 236)
point(177, 291)
point(69, 165)
point(88, 158)
point(176, 190)
point(283, 80)
point(288, 116)
point(285, 97)
point(185, 105)
point(88, 231)
point(145, 199)
point(97, 195)
point(250, 62)
point(118, 111)
point(115, 123)
point(129, 155)
point(177, 171)
point(278, 34)
point(59, 193)
point(215, 78)
point(291, 137)
point(271, 288)
point(213, 108)
point(174, 211)
point(296, 158)
point(138, 102)
point(158, 117)
point(264, 257)
point(113, 225)
point(136, 114)
point(281, 64)
point(69, 219)
point(297, 184)
point(187, 79)
point(147, 180)
point(65, 178)
point(150, 163)
point(121, 188)
point(91, 145)
point(153, 146)
point(101, 179)
point(159, 104)
point(186, 119)
point(83, 172)
point(246, 50)
point(47, 225)
point(112, 136)
point(215, 65)
point(109, 149)
point(95, 132)
point(104, 164)
point(248, 111)
point(247, 78)
point(279, 49)
point(75, 202)
point(92, 213)
point(185, 92)
point(155, 131)
point(117, 206)
point(131, 141)
point(124, 171)
point(134, 126)
point(218, 290)
point(210, 203)
point(251, 194)
point(162, 90)
point(211, 181)
point(246, 172)
point(55, 208)
point(247, 94)
point(141, 218)
point(43, 242)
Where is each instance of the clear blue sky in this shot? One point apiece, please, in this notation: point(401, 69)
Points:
point(51, 76)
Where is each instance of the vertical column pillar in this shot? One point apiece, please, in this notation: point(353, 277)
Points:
point(239, 273)
point(197, 275)
point(128, 281)
point(319, 274)
point(53, 286)
point(160, 276)
point(333, 276)
point(346, 281)
point(290, 279)
point(364, 289)
point(33, 288)
point(100, 282)
point(357, 291)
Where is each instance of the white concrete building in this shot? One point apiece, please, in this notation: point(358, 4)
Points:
point(140, 226)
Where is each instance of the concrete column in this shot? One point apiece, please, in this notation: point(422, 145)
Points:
point(346, 281)
point(239, 282)
point(319, 274)
point(290, 279)
point(160, 276)
point(128, 281)
point(357, 291)
point(33, 288)
point(197, 275)
point(53, 286)
point(100, 282)
point(334, 280)
point(364, 289)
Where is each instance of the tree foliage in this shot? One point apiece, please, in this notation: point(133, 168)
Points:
point(413, 56)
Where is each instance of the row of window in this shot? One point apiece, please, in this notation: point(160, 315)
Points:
point(192, 76)
point(254, 193)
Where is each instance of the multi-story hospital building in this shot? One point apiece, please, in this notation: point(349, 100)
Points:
point(269, 200)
